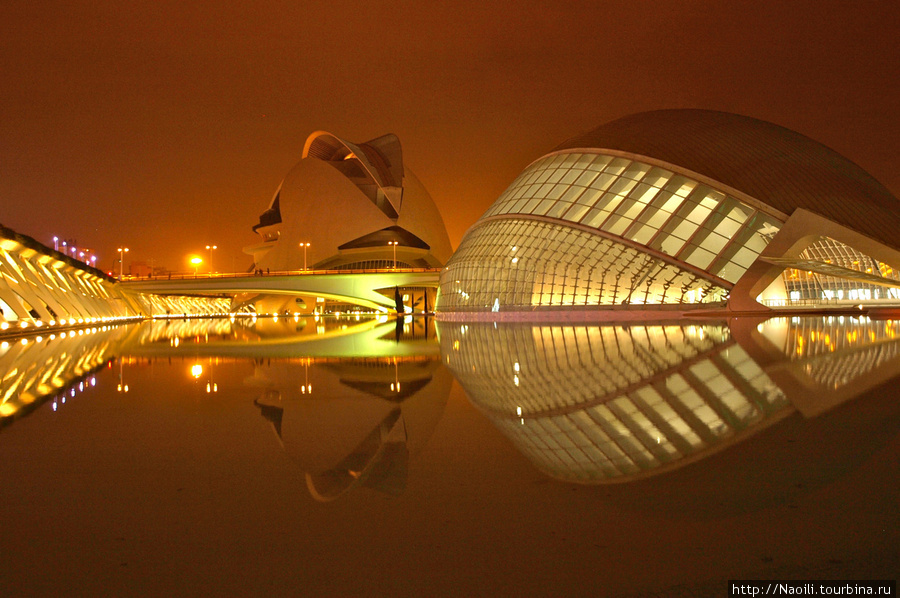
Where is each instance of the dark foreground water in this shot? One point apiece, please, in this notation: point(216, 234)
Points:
point(358, 457)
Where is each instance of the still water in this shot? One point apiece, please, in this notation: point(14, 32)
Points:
point(347, 456)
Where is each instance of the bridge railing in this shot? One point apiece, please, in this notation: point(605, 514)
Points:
point(193, 276)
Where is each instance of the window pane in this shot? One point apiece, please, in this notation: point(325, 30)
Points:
point(599, 162)
point(586, 178)
point(543, 207)
point(617, 166)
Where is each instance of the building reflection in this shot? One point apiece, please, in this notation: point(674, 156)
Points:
point(352, 421)
point(54, 367)
point(597, 404)
point(350, 399)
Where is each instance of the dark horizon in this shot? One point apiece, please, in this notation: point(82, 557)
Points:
point(117, 122)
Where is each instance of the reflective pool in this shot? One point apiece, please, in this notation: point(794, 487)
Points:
point(362, 456)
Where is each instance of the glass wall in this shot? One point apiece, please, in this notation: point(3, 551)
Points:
point(665, 211)
point(517, 263)
point(807, 285)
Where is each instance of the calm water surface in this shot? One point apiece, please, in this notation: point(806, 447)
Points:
point(360, 457)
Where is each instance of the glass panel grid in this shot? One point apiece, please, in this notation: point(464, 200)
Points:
point(649, 205)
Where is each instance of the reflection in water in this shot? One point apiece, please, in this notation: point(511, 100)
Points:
point(612, 403)
point(175, 477)
point(822, 362)
point(350, 421)
point(36, 369)
point(349, 398)
point(355, 401)
point(277, 337)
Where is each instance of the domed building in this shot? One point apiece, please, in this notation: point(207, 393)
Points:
point(349, 202)
point(681, 209)
point(349, 206)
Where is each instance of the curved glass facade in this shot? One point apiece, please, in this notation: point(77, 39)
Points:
point(816, 286)
point(519, 262)
point(605, 230)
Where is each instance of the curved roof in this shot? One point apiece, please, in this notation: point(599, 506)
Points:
point(777, 166)
point(382, 157)
point(359, 195)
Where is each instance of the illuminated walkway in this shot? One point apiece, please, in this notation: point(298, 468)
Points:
point(372, 289)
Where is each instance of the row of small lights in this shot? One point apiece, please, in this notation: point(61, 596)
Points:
point(23, 326)
point(61, 398)
point(68, 392)
point(62, 335)
point(81, 255)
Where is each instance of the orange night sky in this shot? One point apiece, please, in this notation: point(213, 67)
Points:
point(167, 126)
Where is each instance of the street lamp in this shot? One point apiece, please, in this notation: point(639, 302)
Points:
point(196, 261)
point(56, 243)
point(122, 252)
point(304, 246)
point(394, 244)
point(211, 247)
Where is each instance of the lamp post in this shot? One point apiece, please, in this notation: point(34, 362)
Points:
point(55, 243)
point(122, 252)
point(304, 246)
point(394, 244)
point(211, 247)
point(196, 261)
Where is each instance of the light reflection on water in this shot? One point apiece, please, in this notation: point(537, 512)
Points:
point(612, 403)
point(583, 403)
point(356, 407)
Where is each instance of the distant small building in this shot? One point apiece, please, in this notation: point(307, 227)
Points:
point(681, 209)
point(140, 269)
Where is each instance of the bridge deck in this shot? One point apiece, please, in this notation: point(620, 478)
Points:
point(353, 286)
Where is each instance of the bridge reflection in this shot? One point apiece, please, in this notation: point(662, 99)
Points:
point(350, 399)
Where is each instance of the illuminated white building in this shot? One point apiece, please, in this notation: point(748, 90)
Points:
point(680, 209)
point(350, 206)
point(40, 286)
